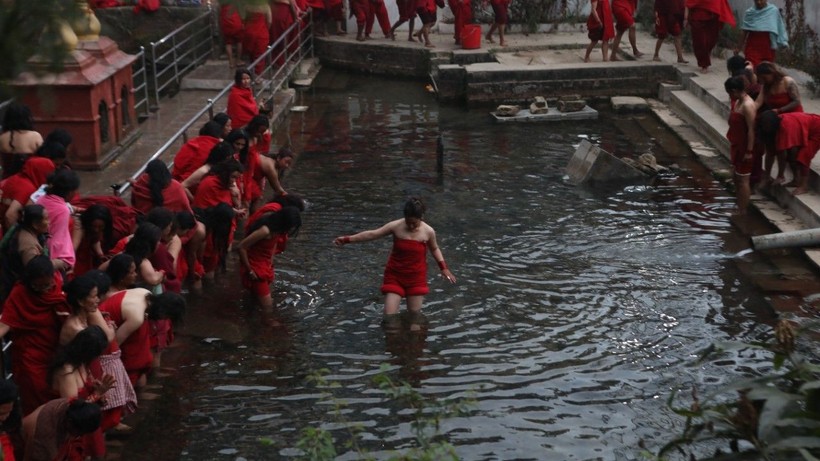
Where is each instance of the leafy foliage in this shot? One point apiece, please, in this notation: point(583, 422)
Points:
point(774, 416)
point(318, 444)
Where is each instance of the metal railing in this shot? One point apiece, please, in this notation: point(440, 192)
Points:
point(295, 45)
point(140, 78)
point(181, 50)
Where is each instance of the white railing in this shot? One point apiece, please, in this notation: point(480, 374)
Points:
point(140, 78)
point(295, 45)
point(182, 50)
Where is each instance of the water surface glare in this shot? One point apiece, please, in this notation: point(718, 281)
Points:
point(575, 313)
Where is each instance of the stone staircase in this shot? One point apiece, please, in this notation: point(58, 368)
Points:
point(703, 104)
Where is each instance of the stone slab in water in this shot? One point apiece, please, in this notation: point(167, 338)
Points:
point(629, 104)
point(592, 165)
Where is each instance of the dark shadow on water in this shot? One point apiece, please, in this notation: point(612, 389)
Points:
point(405, 338)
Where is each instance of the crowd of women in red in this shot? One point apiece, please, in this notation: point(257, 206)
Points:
point(768, 127)
point(763, 29)
point(90, 286)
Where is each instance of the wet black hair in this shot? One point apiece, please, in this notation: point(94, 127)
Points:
point(237, 76)
point(87, 345)
point(102, 280)
point(239, 134)
point(224, 171)
point(284, 152)
point(159, 177)
point(767, 125)
point(168, 305)
point(144, 242)
point(78, 289)
point(735, 84)
point(218, 221)
point(60, 136)
point(99, 212)
point(38, 267)
point(220, 153)
point(62, 182)
point(32, 214)
point(52, 150)
point(82, 417)
point(118, 267)
point(290, 199)
point(258, 121)
point(161, 217)
point(222, 118)
point(287, 220)
point(10, 394)
point(414, 208)
point(735, 63)
point(212, 129)
point(185, 220)
point(18, 118)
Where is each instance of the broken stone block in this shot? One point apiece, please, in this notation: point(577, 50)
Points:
point(540, 102)
point(592, 165)
point(571, 106)
point(507, 110)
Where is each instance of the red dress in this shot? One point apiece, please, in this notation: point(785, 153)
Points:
point(282, 19)
point(669, 17)
point(21, 185)
point(136, 349)
point(193, 154)
point(242, 108)
point(230, 23)
point(624, 13)
point(759, 48)
point(706, 19)
point(598, 31)
point(799, 129)
point(260, 255)
point(211, 193)
point(255, 41)
point(406, 271)
point(738, 141)
point(778, 100)
point(8, 447)
point(35, 326)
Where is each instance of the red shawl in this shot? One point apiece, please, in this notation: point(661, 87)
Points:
point(211, 193)
point(799, 129)
point(124, 217)
point(272, 207)
point(241, 106)
point(20, 186)
point(174, 196)
point(192, 155)
point(35, 327)
point(605, 15)
point(719, 7)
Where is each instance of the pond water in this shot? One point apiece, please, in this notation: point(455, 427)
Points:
point(575, 314)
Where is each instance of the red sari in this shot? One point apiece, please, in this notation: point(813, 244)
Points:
point(174, 196)
point(230, 23)
point(802, 130)
point(136, 349)
point(255, 42)
point(21, 185)
point(194, 153)
point(242, 108)
point(605, 30)
point(210, 193)
point(706, 18)
point(260, 255)
point(35, 325)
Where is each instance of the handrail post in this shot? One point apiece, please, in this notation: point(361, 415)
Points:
point(154, 67)
point(176, 60)
point(210, 109)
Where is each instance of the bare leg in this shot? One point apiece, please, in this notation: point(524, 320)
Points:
point(605, 49)
point(679, 49)
point(391, 303)
point(616, 42)
point(802, 179)
point(489, 35)
point(501, 28)
point(658, 45)
point(743, 193)
point(590, 47)
point(265, 302)
point(229, 52)
point(412, 26)
point(633, 42)
point(781, 165)
point(426, 35)
point(414, 304)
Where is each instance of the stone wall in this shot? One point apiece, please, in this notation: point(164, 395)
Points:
point(382, 59)
point(131, 30)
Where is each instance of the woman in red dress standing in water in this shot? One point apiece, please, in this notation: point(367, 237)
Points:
point(406, 273)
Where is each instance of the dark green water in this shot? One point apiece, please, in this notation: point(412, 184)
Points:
point(575, 314)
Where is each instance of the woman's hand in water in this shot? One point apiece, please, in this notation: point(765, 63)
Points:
point(448, 275)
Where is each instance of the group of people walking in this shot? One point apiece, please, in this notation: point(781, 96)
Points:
point(250, 33)
point(763, 28)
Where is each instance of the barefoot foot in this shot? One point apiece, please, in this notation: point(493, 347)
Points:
point(656, 58)
point(682, 61)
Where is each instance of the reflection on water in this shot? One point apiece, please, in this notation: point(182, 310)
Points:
point(575, 314)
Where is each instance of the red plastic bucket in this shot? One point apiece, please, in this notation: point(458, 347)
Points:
point(471, 37)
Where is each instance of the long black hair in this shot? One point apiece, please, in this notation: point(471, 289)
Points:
point(288, 220)
point(99, 212)
point(159, 177)
point(144, 242)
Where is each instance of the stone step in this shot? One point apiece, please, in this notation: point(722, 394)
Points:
point(710, 124)
point(214, 74)
point(719, 102)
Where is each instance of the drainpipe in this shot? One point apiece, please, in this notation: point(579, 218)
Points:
point(801, 238)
